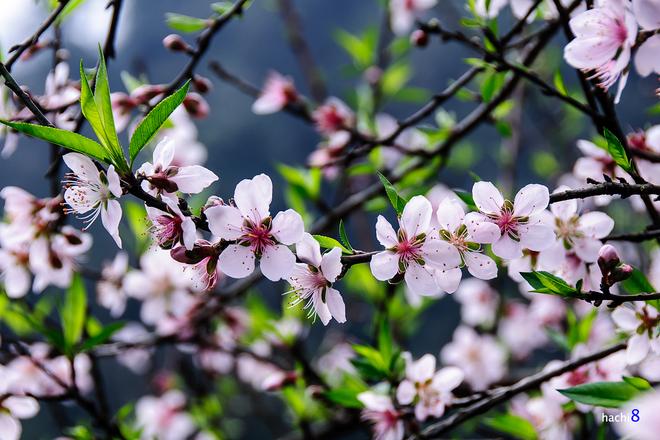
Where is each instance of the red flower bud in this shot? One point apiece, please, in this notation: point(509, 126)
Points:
point(196, 106)
point(620, 273)
point(419, 38)
point(202, 84)
point(176, 43)
point(608, 259)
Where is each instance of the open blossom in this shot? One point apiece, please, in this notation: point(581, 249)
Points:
point(164, 417)
point(162, 177)
point(312, 280)
point(429, 390)
point(332, 119)
point(577, 234)
point(546, 415)
point(464, 233)
point(257, 234)
point(278, 92)
point(404, 12)
point(647, 142)
point(604, 37)
point(478, 301)
point(647, 58)
point(411, 251)
point(13, 408)
point(520, 330)
point(520, 222)
point(171, 228)
point(480, 357)
point(110, 290)
point(648, 425)
point(380, 412)
point(90, 192)
point(641, 321)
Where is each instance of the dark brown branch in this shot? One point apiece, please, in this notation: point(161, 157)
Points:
point(606, 188)
point(11, 83)
point(18, 50)
point(109, 47)
point(636, 237)
point(503, 394)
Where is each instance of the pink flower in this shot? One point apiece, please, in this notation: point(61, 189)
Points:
point(164, 417)
point(648, 425)
point(411, 251)
point(258, 235)
point(478, 302)
point(464, 233)
point(312, 280)
point(14, 270)
point(520, 331)
point(521, 224)
point(122, 106)
point(547, 416)
point(278, 92)
point(480, 357)
point(90, 192)
point(379, 411)
point(163, 177)
point(404, 12)
point(13, 408)
point(428, 389)
point(171, 228)
point(109, 290)
point(640, 321)
point(333, 119)
point(603, 40)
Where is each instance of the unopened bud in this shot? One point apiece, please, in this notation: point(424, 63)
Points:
point(419, 38)
point(373, 74)
point(279, 380)
point(199, 252)
point(620, 273)
point(202, 84)
point(146, 92)
point(176, 43)
point(608, 259)
point(196, 106)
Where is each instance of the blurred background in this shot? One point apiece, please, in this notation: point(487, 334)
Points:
point(241, 144)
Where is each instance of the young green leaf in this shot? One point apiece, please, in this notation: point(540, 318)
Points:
point(102, 336)
point(67, 139)
point(185, 23)
point(515, 426)
point(150, 125)
point(343, 237)
point(616, 150)
point(606, 394)
point(545, 282)
point(398, 202)
point(104, 106)
point(638, 382)
point(73, 312)
point(329, 243)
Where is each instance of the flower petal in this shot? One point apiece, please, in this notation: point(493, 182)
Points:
point(480, 266)
point(638, 348)
point(537, 237)
point(507, 248)
point(110, 217)
point(82, 166)
point(331, 264)
point(448, 378)
point(448, 280)
point(309, 250)
point(596, 224)
point(277, 262)
point(164, 153)
point(225, 221)
point(236, 261)
point(450, 214)
point(406, 392)
point(335, 304)
point(416, 216)
point(531, 200)
point(480, 229)
point(487, 197)
point(253, 197)
point(440, 254)
point(385, 233)
point(193, 179)
point(625, 318)
point(419, 279)
point(384, 265)
point(288, 227)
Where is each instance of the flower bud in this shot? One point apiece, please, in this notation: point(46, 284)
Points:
point(278, 380)
point(202, 84)
point(419, 38)
point(176, 43)
point(373, 74)
point(608, 258)
point(196, 106)
point(146, 92)
point(620, 273)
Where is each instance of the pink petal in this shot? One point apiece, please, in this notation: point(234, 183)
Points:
point(331, 264)
point(416, 216)
point(507, 248)
point(420, 280)
point(638, 348)
point(488, 199)
point(384, 265)
point(164, 153)
point(253, 197)
point(82, 166)
point(647, 58)
point(440, 254)
point(537, 237)
point(193, 179)
point(385, 234)
point(448, 280)
point(277, 262)
point(309, 250)
point(625, 318)
point(480, 229)
point(288, 227)
point(531, 200)
point(335, 305)
point(236, 261)
point(406, 392)
point(225, 221)
point(114, 184)
point(450, 214)
point(480, 266)
point(422, 369)
point(110, 217)
point(448, 378)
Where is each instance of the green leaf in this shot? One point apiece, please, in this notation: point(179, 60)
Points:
point(616, 150)
point(558, 81)
point(185, 23)
point(514, 426)
point(385, 342)
point(545, 282)
point(360, 49)
point(638, 283)
point(102, 336)
point(343, 237)
point(398, 202)
point(72, 313)
point(221, 7)
point(150, 125)
point(345, 397)
point(104, 107)
point(67, 139)
point(329, 243)
point(606, 394)
point(638, 382)
point(395, 77)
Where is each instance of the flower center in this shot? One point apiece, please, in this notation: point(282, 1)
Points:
point(620, 32)
point(409, 250)
point(258, 236)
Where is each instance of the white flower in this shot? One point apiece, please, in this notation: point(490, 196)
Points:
point(379, 411)
point(404, 12)
point(464, 233)
point(13, 407)
point(91, 192)
point(170, 228)
point(478, 302)
point(479, 356)
point(312, 280)
point(258, 235)
point(109, 289)
point(277, 93)
point(412, 252)
point(428, 389)
point(641, 322)
point(163, 177)
point(520, 222)
point(647, 426)
point(164, 417)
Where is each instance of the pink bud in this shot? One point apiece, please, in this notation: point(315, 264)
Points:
point(146, 92)
point(608, 258)
point(196, 106)
point(176, 43)
point(278, 380)
point(202, 84)
point(373, 74)
point(620, 273)
point(419, 38)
